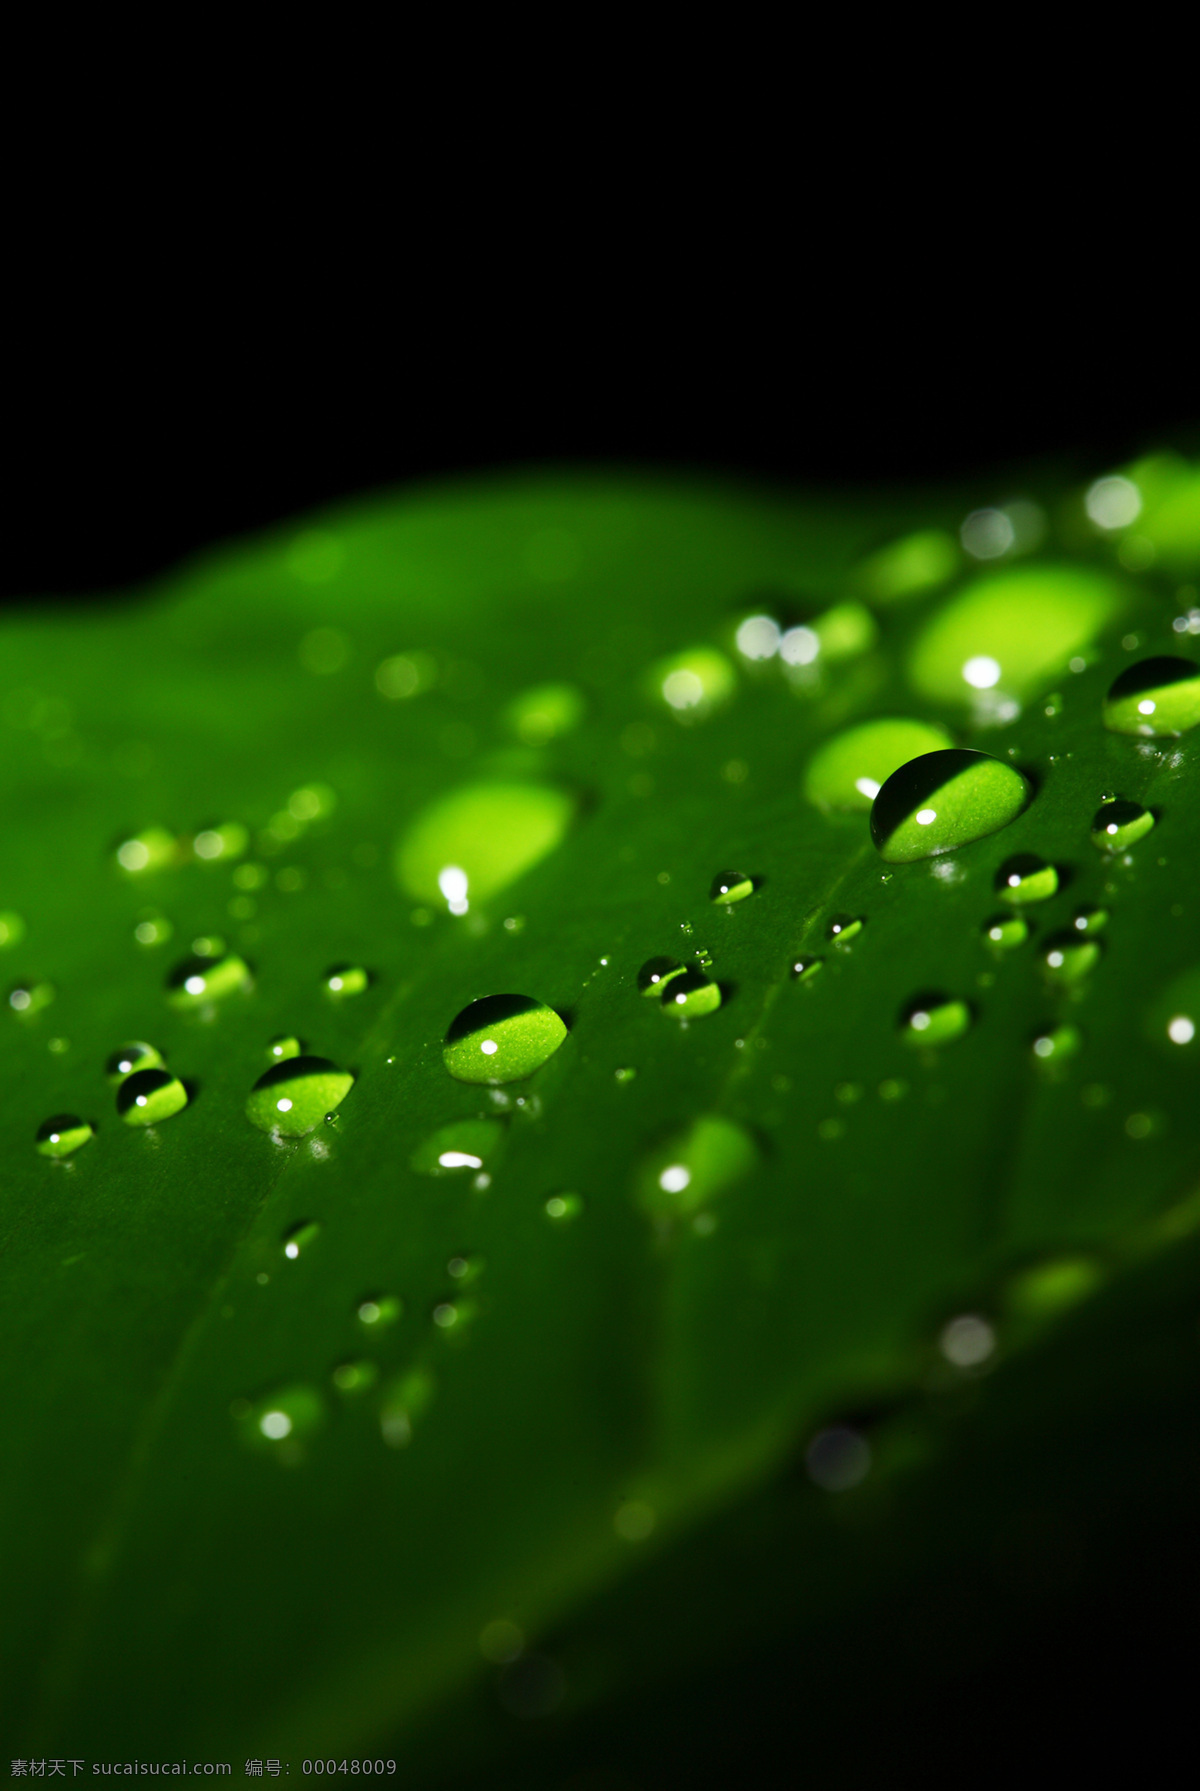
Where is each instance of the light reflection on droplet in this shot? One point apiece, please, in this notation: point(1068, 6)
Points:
point(1113, 502)
point(1181, 1030)
point(981, 672)
point(758, 637)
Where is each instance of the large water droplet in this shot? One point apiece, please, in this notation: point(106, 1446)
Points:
point(695, 1166)
point(849, 771)
point(344, 980)
point(461, 1148)
point(542, 714)
point(280, 1421)
point(1156, 698)
point(1118, 825)
point(656, 973)
point(693, 683)
point(131, 1057)
point(200, 980)
point(1010, 632)
point(293, 1097)
point(1066, 958)
point(1024, 879)
point(944, 800)
point(471, 844)
point(934, 1020)
point(691, 996)
point(1005, 932)
point(501, 1038)
point(150, 1096)
point(731, 886)
point(62, 1135)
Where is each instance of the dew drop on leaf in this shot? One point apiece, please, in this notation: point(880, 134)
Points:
point(691, 996)
point(561, 1207)
point(299, 1238)
point(544, 713)
point(656, 973)
point(1055, 1044)
point(693, 683)
point(354, 1378)
point(1090, 920)
point(1004, 932)
point(151, 850)
point(1156, 698)
point(967, 1341)
point(849, 771)
point(934, 1020)
point(282, 1047)
point(908, 567)
point(378, 1311)
point(12, 929)
point(293, 1097)
point(62, 1135)
point(471, 844)
point(130, 1057)
point(1024, 879)
point(200, 980)
point(695, 1166)
point(803, 969)
point(730, 886)
point(1066, 958)
point(943, 800)
point(344, 980)
point(280, 1420)
point(501, 1038)
point(1118, 825)
point(29, 998)
point(149, 1096)
point(460, 1148)
point(405, 1401)
point(843, 928)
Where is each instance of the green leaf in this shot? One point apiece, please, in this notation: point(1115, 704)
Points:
point(302, 1416)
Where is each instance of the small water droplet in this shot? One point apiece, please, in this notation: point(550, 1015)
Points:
point(463, 1146)
point(1052, 1287)
point(1053, 705)
point(12, 929)
point(690, 1170)
point(934, 1020)
point(201, 979)
point(472, 843)
point(1118, 825)
point(545, 713)
point(1157, 698)
point(465, 1269)
point(1066, 958)
point(626, 1073)
point(501, 1038)
point(656, 973)
point(1055, 1044)
point(838, 1459)
point(283, 1047)
point(943, 800)
point(560, 1207)
point(1004, 932)
point(967, 1341)
point(131, 1057)
point(1090, 920)
point(1026, 878)
point(893, 1088)
point(730, 886)
point(379, 1311)
point(849, 771)
point(281, 1422)
point(1142, 1125)
point(299, 1238)
point(691, 996)
point(848, 1092)
point(151, 850)
point(843, 928)
point(693, 683)
point(29, 998)
point(831, 1129)
point(353, 1378)
point(405, 1401)
point(804, 969)
point(62, 1135)
point(344, 980)
point(293, 1097)
point(149, 1096)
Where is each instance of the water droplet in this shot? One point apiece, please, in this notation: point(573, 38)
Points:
point(656, 973)
point(560, 1207)
point(151, 850)
point(838, 1459)
point(1011, 632)
point(893, 1089)
point(501, 1038)
point(848, 1093)
point(1143, 1125)
point(352, 1378)
point(12, 929)
point(29, 998)
point(464, 1270)
point(1066, 958)
point(943, 800)
point(804, 969)
point(149, 1096)
point(227, 842)
point(544, 713)
point(625, 1073)
point(690, 996)
point(460, 1148)
point(283, 1047)
point(405, 1401)
point(849, 771)
point(299, 1238)
point(62, 1135)
point(1056, 1044)
point(693, 683)
point(200, 980)
point(934, 1020)
point(292, 1098)
point(281, 1421)
point(251, 876)
point(694, 1167)
point(344, 980)
point(730, 886)
point(405, 675)
point(379, 1311)
point(1090, 920)
point(908, 567)
point(1024, 879)
point(1006, 931)
point(1157, 698)
point(843, 928)
point(131, 1057)
point(487, 835)
point(1118, 825)
point(152, 928)
point(831, 1129)
point(967, 1340)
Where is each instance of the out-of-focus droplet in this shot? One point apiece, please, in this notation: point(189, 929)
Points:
point(849, 771)
point(693, 683)
point(153, 849)
point(1005, 932)
point(803, 969)
point(561, 1207)
point(501, 1038)
point(405, 675)
point(967, 1341)
point(29, 998)
point(909, 567)
point(345, 980)
point(934, 1020)
point(1067, 959)
point(1056, 1044)
point(472, 843)
point(283, 1047)
point(12, 929)
point(838, 1459)
point(379, 1311)
point(1090, 920)
point(460, 1148)
point(843, 928)
point(226, 842)
point(695, 1166)
point(405, 1401)
point(300, 1238)
point(281, 1421)
point(127, 1059)
point(354, 1378)
point(545, 713)
point(942, 801)
point(62, 1135)
point(1118, 825)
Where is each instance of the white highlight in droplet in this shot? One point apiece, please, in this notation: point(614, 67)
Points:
point(982, 672)
point(275, 1425)
point(1147, 706)
point(452, 881)
point(799, 646)
point(284, 1105)
point(1113, 502)
point(925, 815)
point(459, 1159)
point(919, 1022)
point(489, 1047)
point(194, 985)
point(675, 1179)
point(683, 690)
point(758, 637)
point(866, 786)
point(1181, 1030)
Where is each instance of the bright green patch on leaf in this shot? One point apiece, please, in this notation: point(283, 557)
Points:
point(472, 843)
